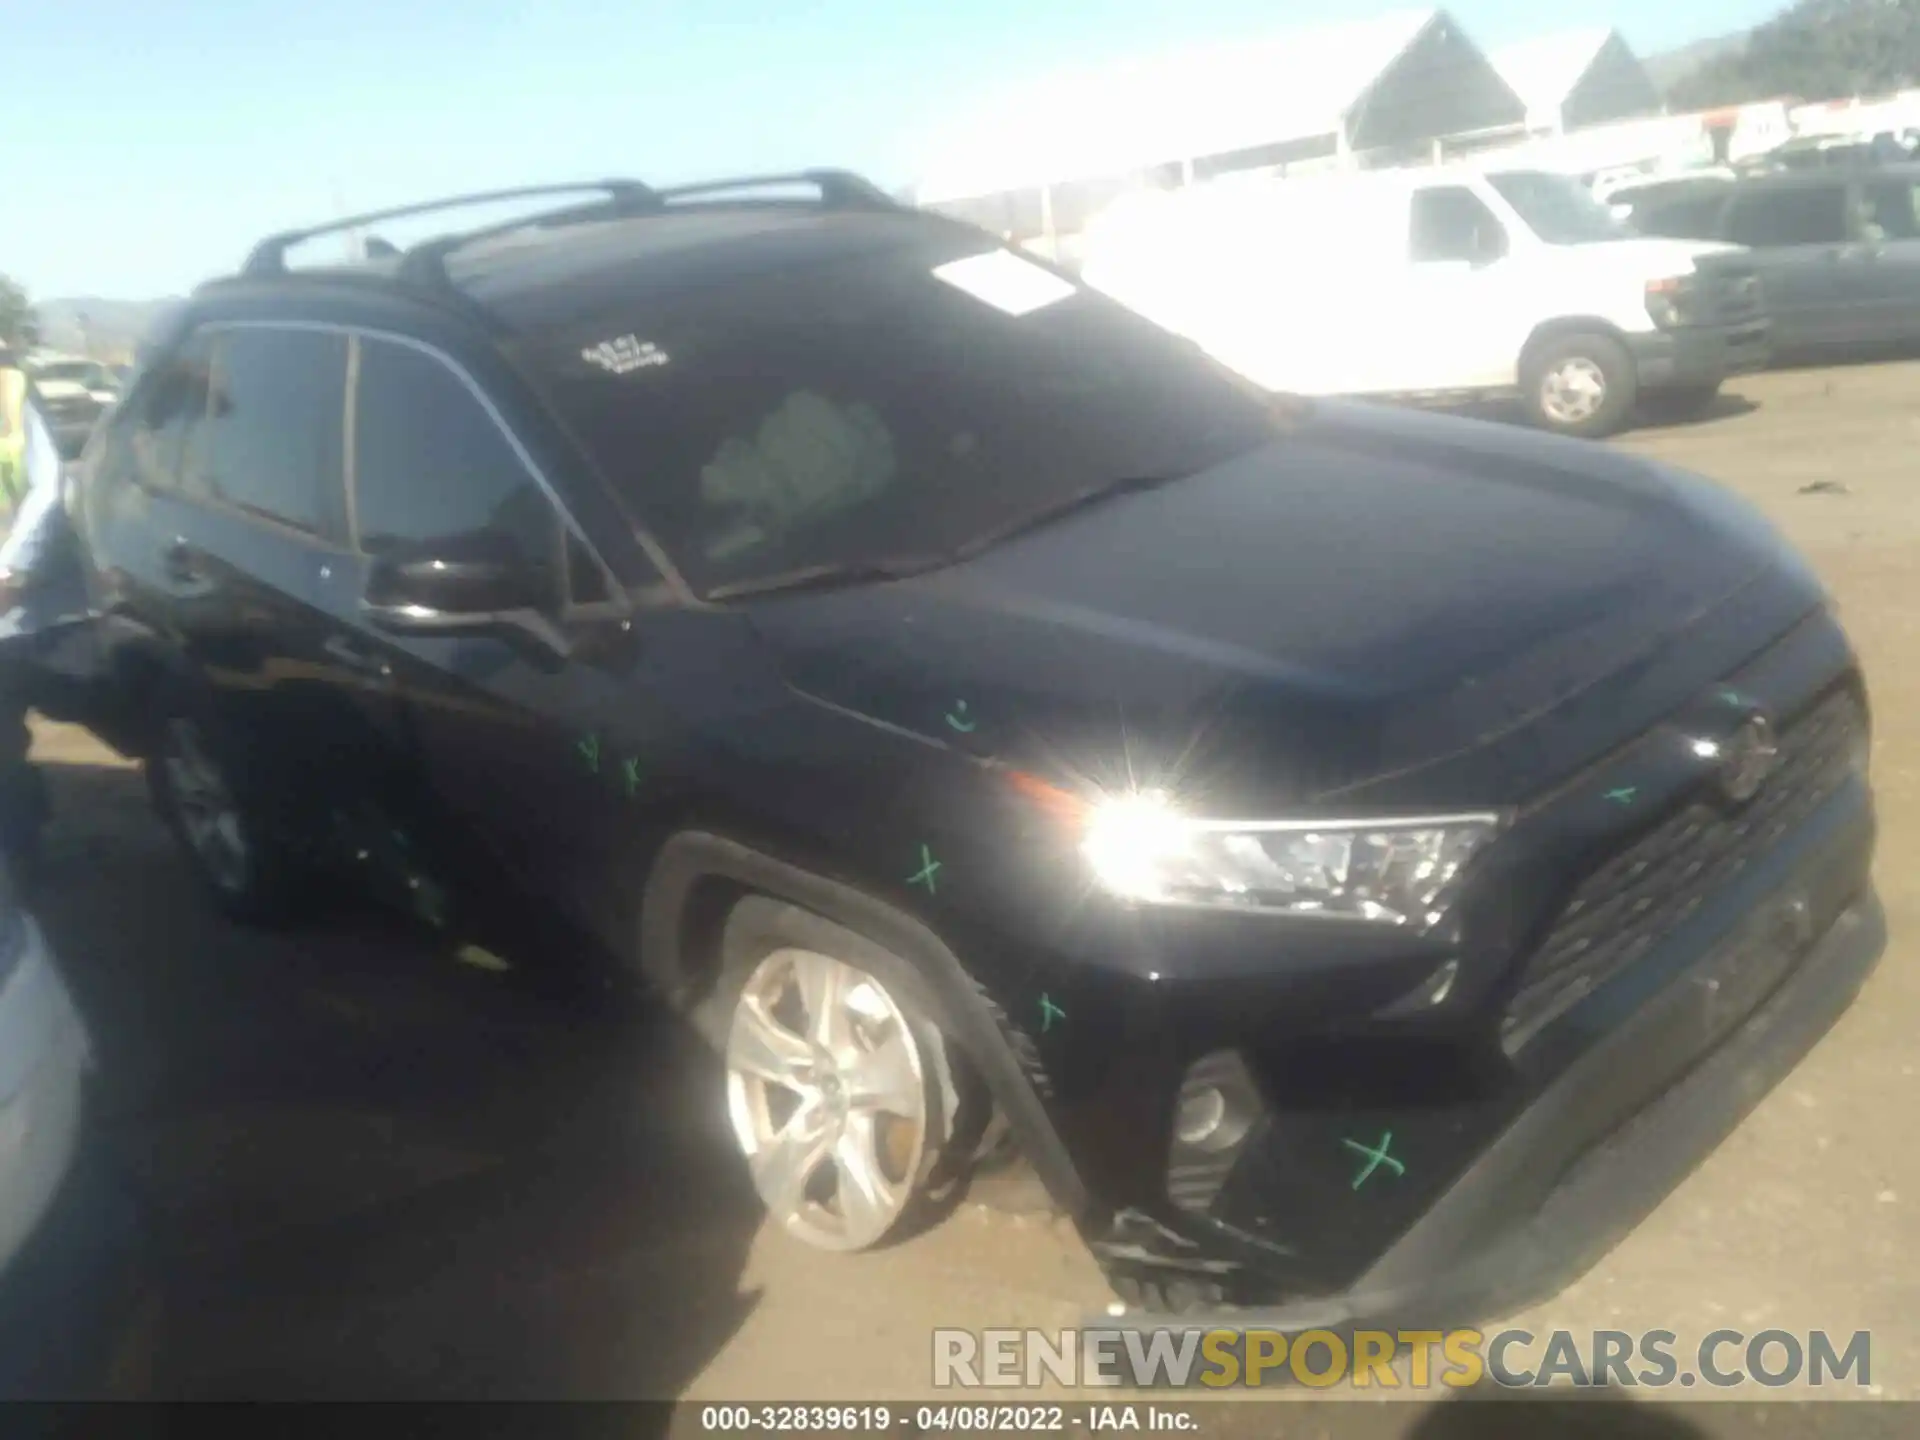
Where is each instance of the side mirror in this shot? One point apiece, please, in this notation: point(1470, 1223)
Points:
point(1489, 246)
point(450, 591)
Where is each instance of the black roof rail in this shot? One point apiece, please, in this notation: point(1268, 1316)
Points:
point(269, 257)
point(841, 189)
point(425, 263)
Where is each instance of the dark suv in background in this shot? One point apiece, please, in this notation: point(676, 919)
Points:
point(1364, 858)
point(1838, 250)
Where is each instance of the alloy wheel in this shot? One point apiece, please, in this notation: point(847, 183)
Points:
point(833, 1096)
point(1573, 391)
point(204, 804)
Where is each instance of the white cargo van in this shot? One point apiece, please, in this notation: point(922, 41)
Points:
point(1437, 282)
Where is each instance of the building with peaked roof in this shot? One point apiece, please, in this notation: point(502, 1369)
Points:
point(1576, 79)
point(1043, 161)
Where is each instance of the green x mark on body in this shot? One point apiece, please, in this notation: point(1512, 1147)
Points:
point(929, 867)
point(1376, 1156)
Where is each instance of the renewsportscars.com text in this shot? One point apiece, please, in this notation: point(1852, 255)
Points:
point(1387, 1359)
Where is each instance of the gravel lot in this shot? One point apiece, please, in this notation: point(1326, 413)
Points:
point(379, 1173)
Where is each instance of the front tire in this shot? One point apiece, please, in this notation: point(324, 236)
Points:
point(204, 795)
point(1582, 385)
point(839, 1090)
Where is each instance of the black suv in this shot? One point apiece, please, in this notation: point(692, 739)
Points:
point(1363, 858)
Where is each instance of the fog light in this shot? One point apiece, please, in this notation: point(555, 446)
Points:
point(1216, 1110)
point(1202, 1113)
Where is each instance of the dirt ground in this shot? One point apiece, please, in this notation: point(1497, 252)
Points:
point(378, 1173)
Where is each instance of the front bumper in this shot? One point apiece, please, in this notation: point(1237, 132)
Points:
point(1471, 1259)
point(1701, 354)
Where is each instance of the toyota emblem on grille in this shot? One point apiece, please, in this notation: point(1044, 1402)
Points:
point(1747, 758)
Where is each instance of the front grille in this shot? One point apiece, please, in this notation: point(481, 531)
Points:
point(1640, 895)
point(1734, 294)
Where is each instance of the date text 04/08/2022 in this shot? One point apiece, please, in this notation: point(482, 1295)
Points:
point(942, 1419)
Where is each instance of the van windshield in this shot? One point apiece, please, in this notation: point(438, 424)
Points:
point(1557, 208)
point(846, 414)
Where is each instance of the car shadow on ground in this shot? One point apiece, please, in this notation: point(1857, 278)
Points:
point(1725, 406)
point(1486, 1412)
point(374, 1173)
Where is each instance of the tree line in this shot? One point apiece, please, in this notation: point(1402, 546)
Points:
point(1815, 50)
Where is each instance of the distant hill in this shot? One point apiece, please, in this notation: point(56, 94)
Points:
point(1813, 50)
point(1668, 68)
point(110, 329)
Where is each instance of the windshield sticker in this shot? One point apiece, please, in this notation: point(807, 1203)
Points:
point(624, 355)
point(1003, 280)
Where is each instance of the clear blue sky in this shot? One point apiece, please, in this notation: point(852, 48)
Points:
point(147, 142)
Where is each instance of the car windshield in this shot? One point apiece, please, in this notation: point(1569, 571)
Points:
point(78, 371)
point(1556, 207)
point(878, 409)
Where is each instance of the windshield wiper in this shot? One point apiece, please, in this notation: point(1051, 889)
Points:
point(1057, 509)
point(829, 576)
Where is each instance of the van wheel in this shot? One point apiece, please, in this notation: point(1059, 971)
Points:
point(1581, 385)
point(203, 797)
point(838, 1089)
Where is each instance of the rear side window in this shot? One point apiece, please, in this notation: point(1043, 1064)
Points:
point(432, 465)
point(272, 443)
point(1450, 222)
point(1790, 215)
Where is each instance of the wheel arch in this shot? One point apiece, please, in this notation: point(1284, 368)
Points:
point(139, 666)
point(1563, 327)
point(695, 880)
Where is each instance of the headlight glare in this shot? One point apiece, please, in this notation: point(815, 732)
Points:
point(1391, 871)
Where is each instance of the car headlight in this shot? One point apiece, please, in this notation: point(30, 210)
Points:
point(1673, 302)
point(1393, 871)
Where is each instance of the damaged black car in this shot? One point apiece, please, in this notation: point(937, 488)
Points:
point(1361, 859)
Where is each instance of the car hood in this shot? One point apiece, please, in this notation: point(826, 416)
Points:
point(1662, 255)
point(1379, 596)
